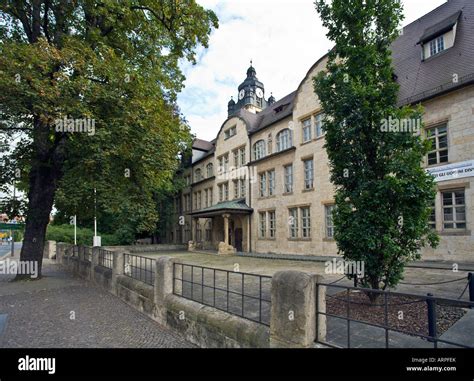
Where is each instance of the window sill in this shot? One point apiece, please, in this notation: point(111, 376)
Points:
point(267, 239)
point(288, 194)
point(300, 239)
point(326, 239)
point(305, 143)
point(307, 190)
point(267, 197)
point(447, 233)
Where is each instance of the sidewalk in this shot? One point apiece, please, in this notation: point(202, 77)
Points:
point(59, 311)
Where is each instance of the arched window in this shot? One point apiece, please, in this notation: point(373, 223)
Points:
point(284, 140)
point(197, 175)
point(210, 170)
point(259, 150)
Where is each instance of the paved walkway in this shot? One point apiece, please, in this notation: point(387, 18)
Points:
point(62, 312)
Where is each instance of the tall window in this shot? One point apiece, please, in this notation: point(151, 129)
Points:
point(308, 174)
point(318, 125)
point(288, 178)
point(223, 192)
point(259, 150)
point(197, 175)
point(262, 224)
point(436, 45)
point(454, 210)
point(243, 160)
point(271, 182)
point(329, 221)
point(306, 130)
point(293, 222)
point(284, 140)
point(438, 138)
point(210, 197)
point(243, 189)
point(199, 200)
point(272, 224)
point(210, 170)
point(306, 222)
point(236, 158)
point(206, 198)
point(263, 185)
point(236, 189)
point(432, 219)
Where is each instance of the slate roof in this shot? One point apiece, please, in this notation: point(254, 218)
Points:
point(202, 145)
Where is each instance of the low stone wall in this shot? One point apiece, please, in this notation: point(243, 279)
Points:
point(292, 293)
point(147, 248)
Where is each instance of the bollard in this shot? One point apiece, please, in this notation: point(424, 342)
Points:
point(431, 303)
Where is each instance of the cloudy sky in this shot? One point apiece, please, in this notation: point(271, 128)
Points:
point(282, 37)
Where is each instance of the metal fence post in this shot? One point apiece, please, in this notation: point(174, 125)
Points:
point(471, 287)
point(431, 304)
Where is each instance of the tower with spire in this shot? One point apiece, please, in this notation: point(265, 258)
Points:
point(251, 95)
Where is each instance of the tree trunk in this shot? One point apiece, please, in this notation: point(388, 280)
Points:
point(43, 184)
point(44, 176)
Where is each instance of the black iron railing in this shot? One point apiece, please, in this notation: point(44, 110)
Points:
point(105, 258)
point(139, 268)
point(242, 294)
point(387, 307)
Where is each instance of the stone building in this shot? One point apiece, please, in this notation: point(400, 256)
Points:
point(262, 185)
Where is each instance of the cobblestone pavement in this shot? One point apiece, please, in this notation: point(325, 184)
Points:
point(62, 312)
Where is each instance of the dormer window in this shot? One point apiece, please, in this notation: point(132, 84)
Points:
point(439, 37)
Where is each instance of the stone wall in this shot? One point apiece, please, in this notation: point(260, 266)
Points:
point(292, 292)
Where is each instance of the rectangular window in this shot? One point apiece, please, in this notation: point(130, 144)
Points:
point(289, 178)
point(454, 210)
point(262, 223)
point(208, 234)
point(243, 161)
point(438, 138)
point(329, 221)
point(221, 192)
point(293, 222)
point(308, 174)
point(306, 222)
point(272, 224)
point(271, 182)
point(306, 130)
point(436, 45)
point(210, 197)
point(226, 191)
point(432, 219)
point(230, 132)
point(242, 188)
point(236, 189)
point(263, 185)
point(199, 200)
point(236, 158)
point(318, 125)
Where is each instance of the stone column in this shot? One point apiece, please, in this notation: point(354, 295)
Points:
point(164, 267)
point(293, 312)
point(94, 261)
point(226, 228)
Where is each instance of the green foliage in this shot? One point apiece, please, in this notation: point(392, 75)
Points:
point(383, 195)
point(65, 233)
point(115, 63)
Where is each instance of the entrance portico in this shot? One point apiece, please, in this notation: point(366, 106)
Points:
point(230, 232)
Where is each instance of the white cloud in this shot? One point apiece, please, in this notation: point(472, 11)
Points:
point(283, 38)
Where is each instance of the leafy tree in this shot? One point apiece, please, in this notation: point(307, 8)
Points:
point(383, 195)
point(111, 63)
